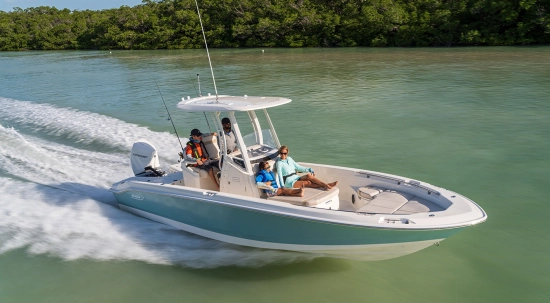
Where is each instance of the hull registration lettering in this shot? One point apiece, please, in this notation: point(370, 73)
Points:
point(136, 197)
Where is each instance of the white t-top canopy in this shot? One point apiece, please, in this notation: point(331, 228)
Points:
point(230, 103)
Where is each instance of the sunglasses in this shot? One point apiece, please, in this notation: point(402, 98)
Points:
point(267, 167)
point(284, 153)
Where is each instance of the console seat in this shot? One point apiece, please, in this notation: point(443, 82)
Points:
point(312, 197)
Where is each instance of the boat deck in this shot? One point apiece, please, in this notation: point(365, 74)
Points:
point(386, 202)
point(392, 202)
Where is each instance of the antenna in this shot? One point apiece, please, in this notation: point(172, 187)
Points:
point(199, 81)
point(169, 117)
point(200, 95)
point(208, 53)
point(194, 87)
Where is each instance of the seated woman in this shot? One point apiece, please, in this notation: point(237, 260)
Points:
point(266, 178)
point(287, 168)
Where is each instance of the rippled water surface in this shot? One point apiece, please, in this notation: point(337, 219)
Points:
point(474, 120)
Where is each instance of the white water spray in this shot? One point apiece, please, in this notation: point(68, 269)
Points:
point(54, 196)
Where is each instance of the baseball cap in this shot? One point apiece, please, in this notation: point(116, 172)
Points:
point(196, 132)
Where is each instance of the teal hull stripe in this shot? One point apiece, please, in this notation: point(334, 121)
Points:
point(268, 227)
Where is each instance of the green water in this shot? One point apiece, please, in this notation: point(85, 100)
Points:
point(473, 120)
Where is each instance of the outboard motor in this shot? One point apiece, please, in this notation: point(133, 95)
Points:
point(144, 160)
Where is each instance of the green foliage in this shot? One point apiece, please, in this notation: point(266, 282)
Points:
point(172, 24)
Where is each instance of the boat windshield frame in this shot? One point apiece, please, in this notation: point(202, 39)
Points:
point(215, 105)
point(260, 150)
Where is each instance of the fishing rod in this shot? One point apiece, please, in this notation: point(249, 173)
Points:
point(170, 118)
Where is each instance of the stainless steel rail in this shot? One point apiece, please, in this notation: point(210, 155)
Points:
point(401, 181)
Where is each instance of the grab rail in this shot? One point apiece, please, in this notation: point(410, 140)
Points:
point(380, 176)
point(399, 181)
point(429, 190)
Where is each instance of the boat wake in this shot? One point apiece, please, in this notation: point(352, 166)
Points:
point(81, 129)
point(54, 180)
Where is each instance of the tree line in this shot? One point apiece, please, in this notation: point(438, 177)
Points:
point(174, 24)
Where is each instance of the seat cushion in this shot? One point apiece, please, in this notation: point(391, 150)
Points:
point(386, 202)
point(312, 197)
point(418, 205)
point(367, 192)
point(203, 173)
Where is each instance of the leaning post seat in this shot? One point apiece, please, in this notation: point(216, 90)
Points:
point(212, 147)
point(196, 177)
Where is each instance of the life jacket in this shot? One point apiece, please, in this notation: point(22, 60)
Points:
point(195, 150)
point(268, 176)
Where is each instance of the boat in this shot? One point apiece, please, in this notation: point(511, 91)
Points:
point(368, 216)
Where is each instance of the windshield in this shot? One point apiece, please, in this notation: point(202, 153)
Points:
point(257, 152)
point(250, 139)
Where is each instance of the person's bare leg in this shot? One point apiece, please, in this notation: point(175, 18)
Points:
point(332, 184)
point(320, 183)
point(299, 184)
point(211, 174)
point(323, 184)
point(297, 192)
point(308, 184)
point(315, 183)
